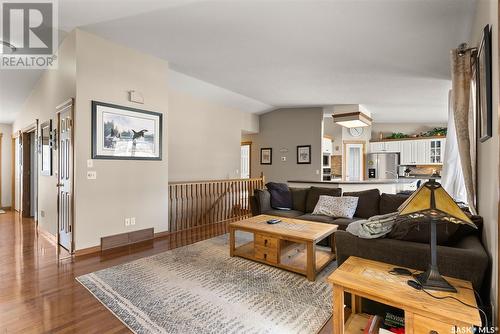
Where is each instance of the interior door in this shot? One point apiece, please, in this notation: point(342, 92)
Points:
point(65, 176)
point(26, 174)
point(354, 162)
point(245, 161)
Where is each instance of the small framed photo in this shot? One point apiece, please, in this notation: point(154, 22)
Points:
point(266, 156)
point(124, 133)
point(484, 87)
point(304, 154)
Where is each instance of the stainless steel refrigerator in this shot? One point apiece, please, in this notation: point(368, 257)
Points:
point(382, 165)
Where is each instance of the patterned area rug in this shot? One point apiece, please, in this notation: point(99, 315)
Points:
point(200, 289)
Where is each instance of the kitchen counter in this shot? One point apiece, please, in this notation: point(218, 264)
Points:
point(391, 186)
point(367, 181)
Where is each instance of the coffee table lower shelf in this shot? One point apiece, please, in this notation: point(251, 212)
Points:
point(291, 257)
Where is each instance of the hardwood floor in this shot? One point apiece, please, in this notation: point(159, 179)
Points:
point(38, 290)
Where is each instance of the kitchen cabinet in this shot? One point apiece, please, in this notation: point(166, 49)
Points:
point(327, 145)
point(414, 152)
point(390, 146)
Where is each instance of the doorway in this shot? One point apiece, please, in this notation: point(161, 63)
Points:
point(65, 175)
point(246, 152)
point(28, 171)
point(354, 160)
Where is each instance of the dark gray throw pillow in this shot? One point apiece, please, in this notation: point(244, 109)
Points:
point(281, 197)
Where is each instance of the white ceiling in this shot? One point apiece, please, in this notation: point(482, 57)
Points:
point(392, 56)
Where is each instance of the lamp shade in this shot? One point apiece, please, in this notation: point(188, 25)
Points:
point(431, 200)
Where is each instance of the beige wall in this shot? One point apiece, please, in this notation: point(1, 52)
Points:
point(285, 129)
point(6, 159)
point(53, 88)
point(488, 152)
point(203, 138)
point(123, 188)
point(406, 128)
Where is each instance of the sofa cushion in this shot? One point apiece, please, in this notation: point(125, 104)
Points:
point(284, 213)
point(465, 230)
point(281, 197)
point(390, 202)
point(419, 231)
point(299, 197)
point(315, 192)
point(368, 202)
point(317, 218)
point(331, 206)
point(343, 222)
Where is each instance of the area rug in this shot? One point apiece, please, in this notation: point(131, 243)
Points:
point(2, 211)
point(200, 289)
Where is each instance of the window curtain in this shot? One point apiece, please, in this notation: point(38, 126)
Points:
point(463, 116)
point(452, 178)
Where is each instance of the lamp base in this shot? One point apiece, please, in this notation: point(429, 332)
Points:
point(432, 280)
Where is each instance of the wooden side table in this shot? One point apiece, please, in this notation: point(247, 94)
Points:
point(423, 314)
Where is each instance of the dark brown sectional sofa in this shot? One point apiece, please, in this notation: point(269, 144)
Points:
point(463, 257)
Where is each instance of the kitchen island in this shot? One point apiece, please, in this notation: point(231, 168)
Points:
point(388, 186)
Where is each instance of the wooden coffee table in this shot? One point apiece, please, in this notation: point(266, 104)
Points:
point(290, 244)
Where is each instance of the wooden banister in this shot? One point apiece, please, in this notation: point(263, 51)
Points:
point(210, 203)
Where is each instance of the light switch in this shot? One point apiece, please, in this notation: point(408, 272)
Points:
point(283, 158)
point(91, 175)
point(90, 163)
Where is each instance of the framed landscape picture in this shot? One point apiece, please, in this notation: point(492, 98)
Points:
point(484, 88)
point(266, 156)
point(304, 154)
point(125, 133)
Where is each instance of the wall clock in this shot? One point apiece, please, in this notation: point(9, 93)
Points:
point(356, 132)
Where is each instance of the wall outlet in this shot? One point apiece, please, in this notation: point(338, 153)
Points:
point(127, 221)
point(90, 163)
point(42, 213)
point(91, 175)
point(317, 171)
point(132, 221)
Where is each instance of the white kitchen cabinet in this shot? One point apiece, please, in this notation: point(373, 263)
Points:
point(436, 151)
point(413, 152)
point(393, 146)
point(327, 145)
point(388, 146)
point(406, 157)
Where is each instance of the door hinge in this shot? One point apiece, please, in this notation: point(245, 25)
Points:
point(70, 228)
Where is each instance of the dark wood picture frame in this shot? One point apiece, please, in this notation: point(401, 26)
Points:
point(484, 104)
point(46, 149)
point(262, 150)
point(308, 161)
point(96, 155)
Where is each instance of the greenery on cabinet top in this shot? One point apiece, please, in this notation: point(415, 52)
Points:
point(436, 132)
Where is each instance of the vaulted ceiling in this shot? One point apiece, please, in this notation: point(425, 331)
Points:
point(392, 56)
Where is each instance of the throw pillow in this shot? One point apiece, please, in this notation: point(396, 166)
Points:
point(416, 231)
point(314, 194)
point(281, 197)
point(390, 202)
point(299, 196)
point(336, 206)
point(368, 202)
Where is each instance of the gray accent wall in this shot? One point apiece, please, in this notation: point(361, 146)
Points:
point(283, 129)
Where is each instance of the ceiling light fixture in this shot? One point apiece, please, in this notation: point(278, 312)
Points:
point(9, 45)
point(352, 119)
